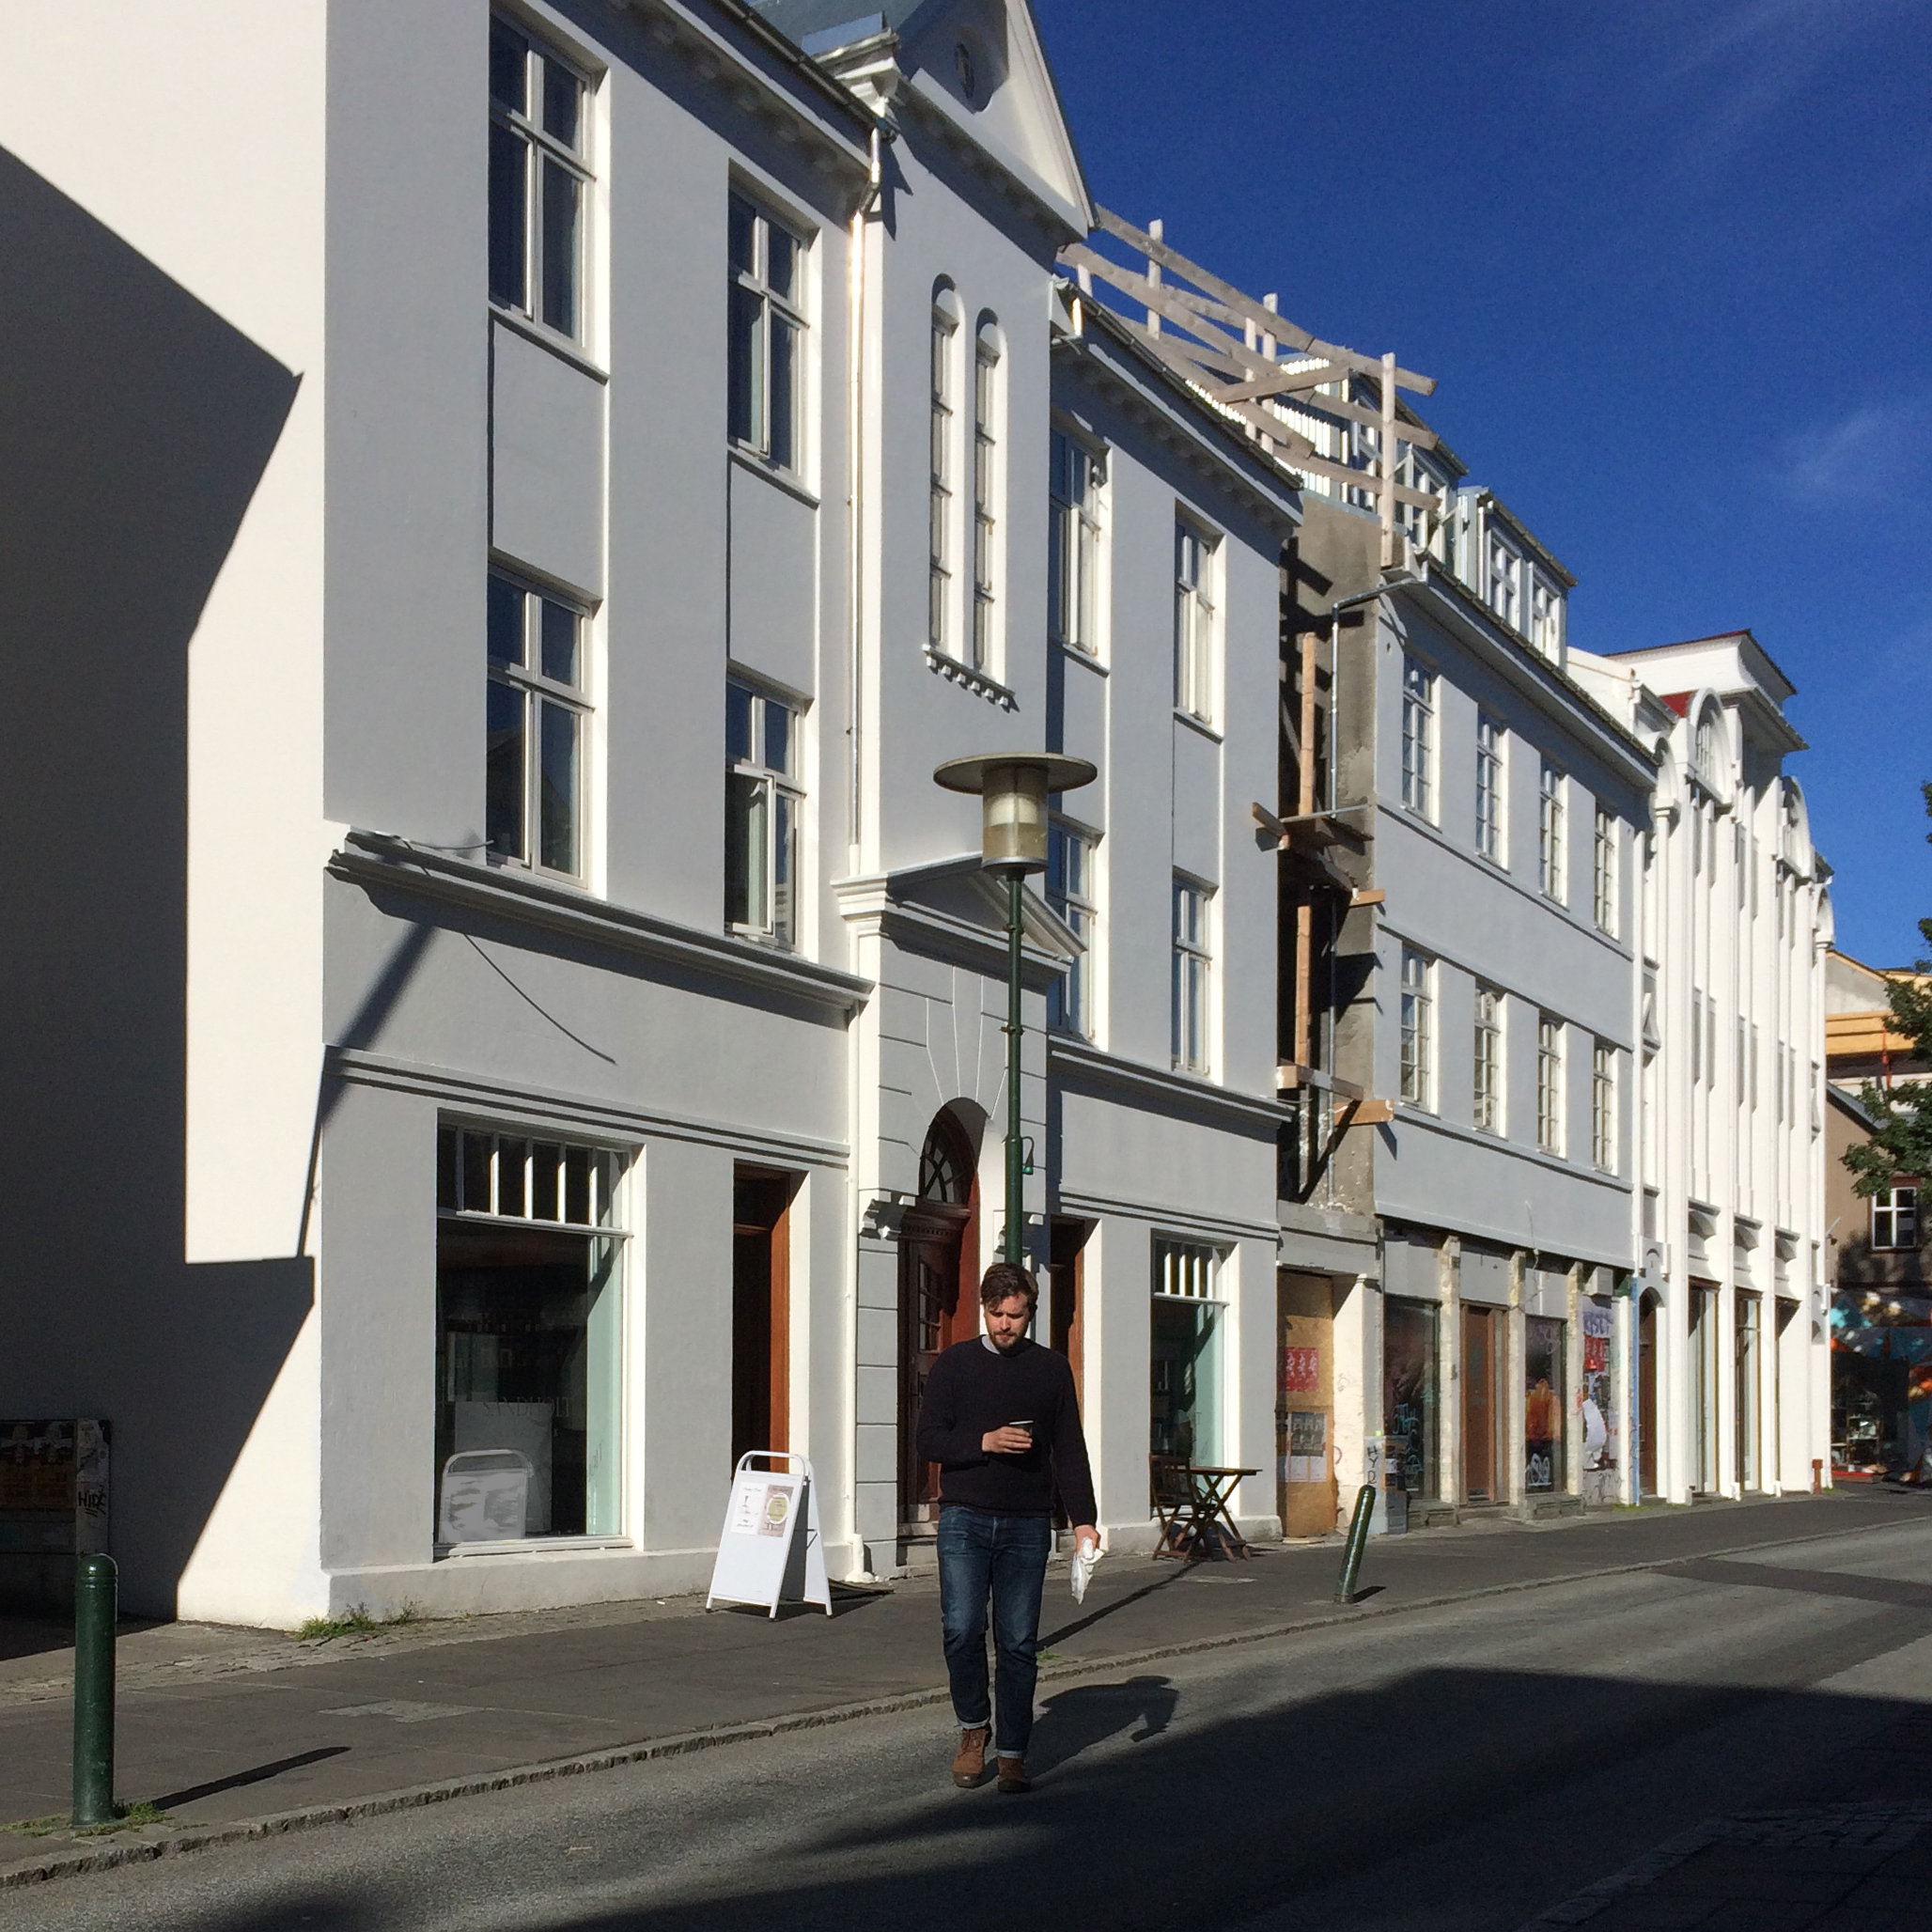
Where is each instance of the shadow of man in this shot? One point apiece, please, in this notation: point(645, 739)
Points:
point(1073, 1720)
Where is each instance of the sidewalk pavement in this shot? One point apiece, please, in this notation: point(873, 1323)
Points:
point(231, 1732)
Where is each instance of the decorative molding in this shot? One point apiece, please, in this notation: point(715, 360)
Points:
point(382, 862)
point(544, 1108)
point(1071, 1054)
point(977, 682)
point(1183, 1221)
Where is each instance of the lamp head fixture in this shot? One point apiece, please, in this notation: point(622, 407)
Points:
point(1013, 788)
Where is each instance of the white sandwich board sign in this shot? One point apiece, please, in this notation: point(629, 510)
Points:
point(772, 1551)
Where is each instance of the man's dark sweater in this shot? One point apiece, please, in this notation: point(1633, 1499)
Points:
point(972, 1391)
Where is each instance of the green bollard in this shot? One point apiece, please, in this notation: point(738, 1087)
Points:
point(1357, 1539)
point(96, 1603)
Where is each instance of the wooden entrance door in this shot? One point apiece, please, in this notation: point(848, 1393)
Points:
point(760, 1313)
point(934, 1312)
point(1646, 1398)
point(1478, 1404)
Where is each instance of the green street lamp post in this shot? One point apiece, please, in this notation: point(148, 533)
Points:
point(1013, 789)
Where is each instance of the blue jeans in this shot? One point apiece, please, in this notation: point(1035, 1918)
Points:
point(1003, 1557)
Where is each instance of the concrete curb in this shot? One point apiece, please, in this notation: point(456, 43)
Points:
point(169, 1842)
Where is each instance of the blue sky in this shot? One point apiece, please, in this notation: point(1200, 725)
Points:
point(1670, 262)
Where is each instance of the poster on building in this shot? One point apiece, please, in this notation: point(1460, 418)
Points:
point(1598, 1411)
point(1308, 1445)
point(1542, 1404)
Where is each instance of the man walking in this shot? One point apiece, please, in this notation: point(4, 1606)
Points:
point(1002, 1421)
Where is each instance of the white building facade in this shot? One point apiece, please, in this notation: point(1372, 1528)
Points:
point(632, 454)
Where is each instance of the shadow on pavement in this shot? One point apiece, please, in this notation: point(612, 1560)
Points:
point(260, 1774)
point(1353, 1795)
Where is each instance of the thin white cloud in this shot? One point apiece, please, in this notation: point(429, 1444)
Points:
point(1866, 457)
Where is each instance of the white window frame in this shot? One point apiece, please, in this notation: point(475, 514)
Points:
point(1418, 737)
point(1196, 557)
point(1552, 833)
point(1549, 1101)
point(770, 436)
point(541, 694)
point(1895, 1220)
point(1073, 892)
point(1488, 1087)
point(1546, 616)
point(1603, 876)
point(1193, 989)
point(773, 817)
point(1603, 1122)
point(543, 156)
point(1504, 566)
point(1492, 790)
point(1077, 474)
point(1417, 1080)
point(988, 478)
point(943, 463)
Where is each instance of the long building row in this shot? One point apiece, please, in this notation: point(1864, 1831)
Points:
point(503, 515)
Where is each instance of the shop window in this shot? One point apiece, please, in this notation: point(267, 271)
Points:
point(528, 1327)
point(1543, 1413)
point(1408, 1392)
point(1185, 1389)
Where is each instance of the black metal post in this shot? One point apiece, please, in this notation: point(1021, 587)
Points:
point(96, 1604)
point(1014, 1246)
point(1357, 1540)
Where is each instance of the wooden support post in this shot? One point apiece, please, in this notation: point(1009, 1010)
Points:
point(1157, 229)
point(1391, 554)
point(1304, 804)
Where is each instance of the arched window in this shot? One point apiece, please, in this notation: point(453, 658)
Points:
point(945, 1165)
point(1704, 752)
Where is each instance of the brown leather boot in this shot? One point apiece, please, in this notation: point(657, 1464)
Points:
point(969, 1767)
point(1013, 1776)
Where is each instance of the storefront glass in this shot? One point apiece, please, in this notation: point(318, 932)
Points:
point(1408, 1391)
point(528, 1340)
point(1881, 1381)
point(1599, 1413)
point(1542, 1404)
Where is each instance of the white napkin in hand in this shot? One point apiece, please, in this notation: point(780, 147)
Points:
point(1086, 1554)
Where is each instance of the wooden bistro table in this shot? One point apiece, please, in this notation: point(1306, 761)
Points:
point(1191, 1501)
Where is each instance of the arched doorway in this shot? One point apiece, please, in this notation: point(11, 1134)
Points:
point(939, 1270)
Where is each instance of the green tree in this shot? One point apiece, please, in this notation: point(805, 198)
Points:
point(1900, 1149)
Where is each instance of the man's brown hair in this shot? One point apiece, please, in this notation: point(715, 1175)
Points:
point(1002, 1280)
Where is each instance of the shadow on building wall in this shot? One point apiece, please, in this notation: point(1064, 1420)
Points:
point(135, 426)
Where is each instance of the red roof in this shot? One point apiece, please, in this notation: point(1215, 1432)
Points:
point(1679, 701)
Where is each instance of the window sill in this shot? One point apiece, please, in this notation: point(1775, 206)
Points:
point(1080, 655)
point(1200, 724)
point(779, 479)
point(563, 347)
point(978, 682)
point(536, 1546)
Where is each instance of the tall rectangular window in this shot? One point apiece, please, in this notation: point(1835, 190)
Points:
point(1417, 736)
point(764, 388)
point(1489, 795)
point(986, 499)
point(1194, 961)
point(1603, 1106)
point(1073, 556)
point(1184, 1385)
point(939, 596)
point(1193, 621)
point(1546, 618)
point(1603, 873)
point(1552, 834)
point(1070, 892)
point(537, 715)
point(539, 178)
point(762, 811)
point(1895, 1218)
point(1503, 564)
point(1489, 1060)
point(1418, 1029)
point(529, 1338)
point(1549, 1084)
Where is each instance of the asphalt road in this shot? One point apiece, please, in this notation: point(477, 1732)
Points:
point(1458, 1769)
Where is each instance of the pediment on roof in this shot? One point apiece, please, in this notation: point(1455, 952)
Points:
point(981, 63)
